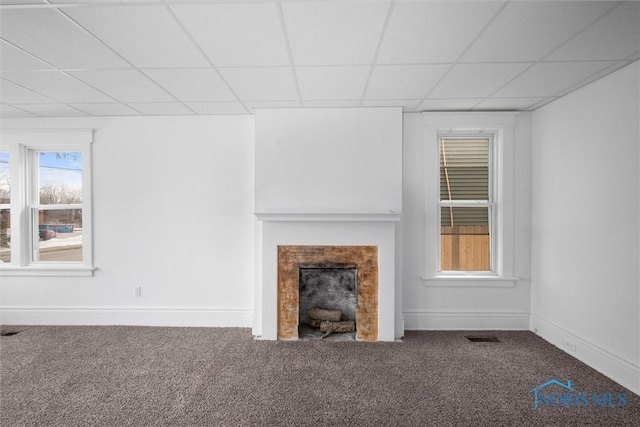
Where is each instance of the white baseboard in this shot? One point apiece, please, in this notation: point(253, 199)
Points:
point(133, 316)
point(622, 371)
point(465, 320)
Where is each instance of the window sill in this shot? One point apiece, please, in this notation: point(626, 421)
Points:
point(470, 281)
point(48, 270)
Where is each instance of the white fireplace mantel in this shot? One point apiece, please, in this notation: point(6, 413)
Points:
point(326, 229)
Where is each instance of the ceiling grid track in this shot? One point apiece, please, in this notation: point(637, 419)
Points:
point(377, 51)
point(493, 18)
point(205, 56)
point(292, 64)
point(65, 72)
point(133, 67)
point(553, 97)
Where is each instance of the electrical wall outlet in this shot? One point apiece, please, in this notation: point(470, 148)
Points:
point(137, 291)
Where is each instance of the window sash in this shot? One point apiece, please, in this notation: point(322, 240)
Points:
point(469, 203)
point(475, 245)
point(489, 203)
point(36, 248)
point(446, 168)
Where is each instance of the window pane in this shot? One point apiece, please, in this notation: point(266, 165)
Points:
point(60, 177)
point(60, 234)
point(465, 241)
point(5, 183)
point(464, 216)
point(464, 169)
point(5, 213)
point(5, 235)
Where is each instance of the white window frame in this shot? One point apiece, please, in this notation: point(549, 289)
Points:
point(23, 146)
point(499, 127)
point(492, 202)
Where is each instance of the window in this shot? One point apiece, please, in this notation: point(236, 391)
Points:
point(469, 199)
point(45, 191)
point(466, 203)
point(5, 207)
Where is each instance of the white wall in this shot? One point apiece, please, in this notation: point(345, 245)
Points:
point(586, 225)
point(339, 160)
point(173, 204)
point(468, 304)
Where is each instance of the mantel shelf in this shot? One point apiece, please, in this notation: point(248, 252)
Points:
point(326, 217)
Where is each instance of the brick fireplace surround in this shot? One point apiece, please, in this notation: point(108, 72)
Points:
point(365, 260)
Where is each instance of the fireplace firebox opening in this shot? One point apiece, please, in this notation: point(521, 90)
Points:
point(327, 301)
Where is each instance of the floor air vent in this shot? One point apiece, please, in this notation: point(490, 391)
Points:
point(483, 339)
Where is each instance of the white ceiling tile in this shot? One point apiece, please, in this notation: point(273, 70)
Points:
point(403, 81)
point(13, 58)
point(615, 36)
point(448, 104)
point(332, 104)
point(14, 94)
point(542, 103)
point(332, 82)
point(49, 35)
point(527, 31)
point(476, 80)
point(328, 33)
point(147, 36)
point(124, 85)
point(161, 108)
point(578, 83)
point(506, 104)
point(236, 34)
point(262, 84)
point(217, 107)
point(9, 111)
point(53, 110)
point(106, 1)
point(57, 85)
point(106, 109)
point(548, 78)
point(194, 85)
point(406, 104)
point(272, 104)
point(431, 32)
point(21, 2)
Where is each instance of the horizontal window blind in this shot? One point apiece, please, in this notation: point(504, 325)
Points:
point(464, 177)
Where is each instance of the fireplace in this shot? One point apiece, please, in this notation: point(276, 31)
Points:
point(292, 263)
point(288, 243)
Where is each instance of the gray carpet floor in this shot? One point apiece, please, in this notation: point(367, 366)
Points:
point(148, 376)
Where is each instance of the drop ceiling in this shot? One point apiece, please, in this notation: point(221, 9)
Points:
point(69, 58)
